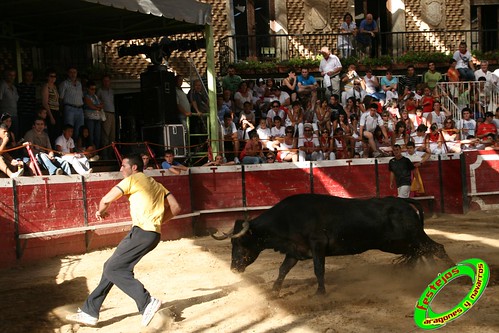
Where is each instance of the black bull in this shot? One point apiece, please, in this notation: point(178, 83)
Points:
point(312, 226)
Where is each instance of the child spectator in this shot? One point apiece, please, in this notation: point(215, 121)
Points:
point(66, 146)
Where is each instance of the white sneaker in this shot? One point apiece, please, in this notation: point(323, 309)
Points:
point(82, 318)
point(94, 158)
point(236, 160)
point(59, 171)
point(151, 309)
point(17, 174)
point(376, 154)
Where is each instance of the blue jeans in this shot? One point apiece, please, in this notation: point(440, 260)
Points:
point(466, 74)
point(53, 165)
point(251, 160)
point(74, 117)
point(94, 130)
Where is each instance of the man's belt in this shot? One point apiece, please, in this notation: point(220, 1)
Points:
point(74, 106)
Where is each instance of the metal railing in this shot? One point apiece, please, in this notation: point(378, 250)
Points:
point(393, 44)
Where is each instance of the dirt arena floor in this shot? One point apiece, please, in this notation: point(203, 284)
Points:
point(365, 293)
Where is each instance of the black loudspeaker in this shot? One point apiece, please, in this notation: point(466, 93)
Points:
point(159, 100)
point(128, 110)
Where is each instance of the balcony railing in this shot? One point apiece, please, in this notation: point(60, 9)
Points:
point(393, 44)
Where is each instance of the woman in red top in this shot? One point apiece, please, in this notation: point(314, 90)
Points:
point(253, 150)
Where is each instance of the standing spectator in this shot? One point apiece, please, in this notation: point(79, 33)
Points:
point(367, 35)
point(306, 86)
point(150, 205)
point(431, 77)
point(50, 102)
point(231, 81)
point(309, 146)
point(330, 68)
point(464, 65)
point(71, 94)
point(400, 172)
point(170, 164)
point(40, 140)
point(108, 126)
point(466, 125)
point(348, 30)
point(93, 107)
point(26, 105)
point(389, 85)
point(65, 145)
point(183, 105)
point(9, 98)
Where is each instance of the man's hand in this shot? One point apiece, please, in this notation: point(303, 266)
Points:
point(101, 216)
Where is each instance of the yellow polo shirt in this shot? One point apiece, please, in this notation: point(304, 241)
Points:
point(147, 200)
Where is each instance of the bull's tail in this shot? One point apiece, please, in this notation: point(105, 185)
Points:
point(418, 209)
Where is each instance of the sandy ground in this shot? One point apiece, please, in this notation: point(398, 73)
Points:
point(365, 293)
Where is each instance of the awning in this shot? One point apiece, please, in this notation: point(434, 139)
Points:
point(45, 22)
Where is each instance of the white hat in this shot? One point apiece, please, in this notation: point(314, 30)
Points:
point(308, 125)
point(325, 49)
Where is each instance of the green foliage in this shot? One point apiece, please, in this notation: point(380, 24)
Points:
point(256, 66)
point(423, 57)
point(301, 62)
point(382, 61)
point(488, 55)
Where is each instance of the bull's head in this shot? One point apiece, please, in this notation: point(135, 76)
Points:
point(244, 249)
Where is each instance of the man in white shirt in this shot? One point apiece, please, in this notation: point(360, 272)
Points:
point(490, 78)
point(65, 145)
point(330, 67)
point(308, 145)
point(466, 125)
point(369, 120)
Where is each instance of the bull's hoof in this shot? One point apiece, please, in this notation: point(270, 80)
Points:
point(321, 291)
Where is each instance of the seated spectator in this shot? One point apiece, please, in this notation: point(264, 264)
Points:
point(432, 77)
point(295, 117)
point(354, 85)
point(393, 110)
point(388, 122)
point(450, 135)
point(419, 119)
point(323, 115)
point(278, 132)
point(326, 145)
point(7, 120)
point(146, 159)
point(427, 100)
point(242, 96)
point(466, 125)
point(389, 85)
point(171, 165)
point(231, 139)
point(369, 121)
point(420, 139)
point(435, 140)
point(438, 115)
point(289, 84)
point(40, 142)
point(342, 122)
point(373, 86)
point(400, 136)
point(253, 150)
point(408, 82)
point(85, 145)
point(219, 161)
point(264, 135)
point(339, 143)
point(464, 61)
point(356, 143)
point(222, 108)
point(270, 157)
point(306, 86)
point(66, 146)
point(308, 145)
point(487, 129)
point(275, 110)
point(248, 113)
point(7, 163)
point(287, 147)
point(409, 124)
point(281, 96)
point(416, 157)
point(337, 108)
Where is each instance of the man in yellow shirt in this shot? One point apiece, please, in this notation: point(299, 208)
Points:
point(151, 204)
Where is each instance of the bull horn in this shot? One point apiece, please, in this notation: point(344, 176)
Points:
point(242, 232)
point(225, 235)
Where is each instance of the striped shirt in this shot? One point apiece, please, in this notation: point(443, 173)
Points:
point(71, 93)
